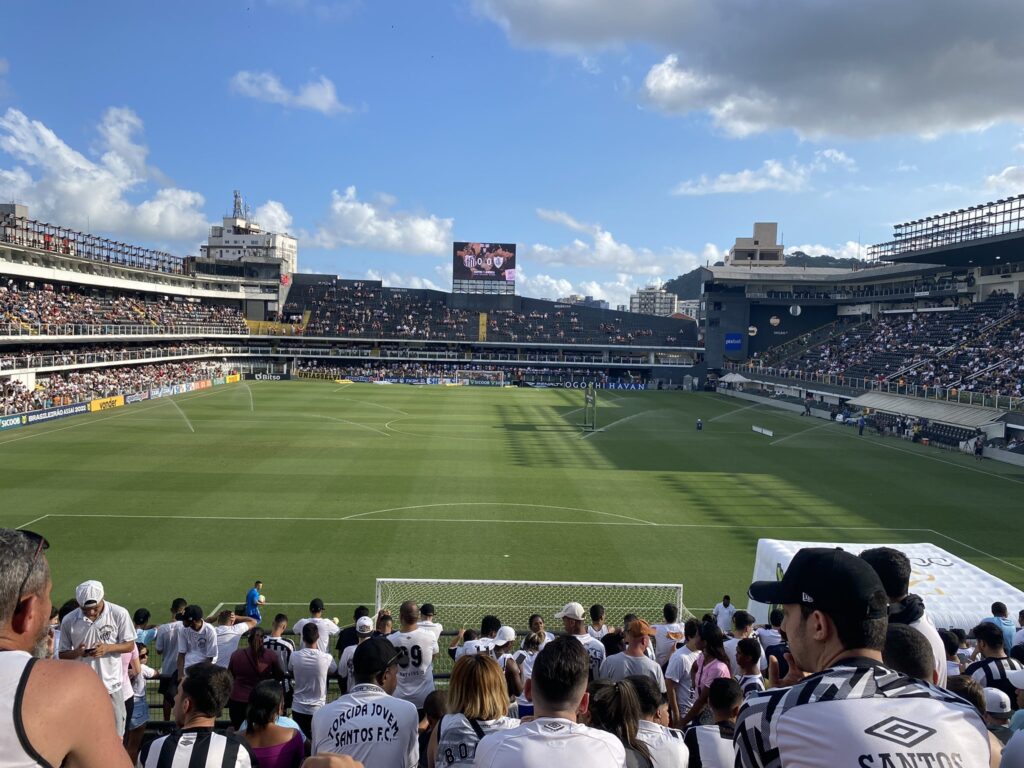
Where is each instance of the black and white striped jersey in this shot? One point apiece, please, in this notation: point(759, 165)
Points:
point(991, 673)
point(863, 715)
point(196, 748)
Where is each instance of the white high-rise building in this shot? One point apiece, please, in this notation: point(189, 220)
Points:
point(241, 238)
point(654, 300)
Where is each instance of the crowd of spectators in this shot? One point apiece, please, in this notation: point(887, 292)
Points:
point(55, 389)
point(380, 370)
point(35, 307)
point(978, 348)
point(714, 691)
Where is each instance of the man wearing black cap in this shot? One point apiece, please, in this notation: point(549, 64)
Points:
point(368, 723)
point(851, 710)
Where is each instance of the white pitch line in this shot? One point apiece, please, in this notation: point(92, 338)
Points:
point(979, 551)
point(343, 386)
point(128, 411)
point(495, 504)
point(614, 423)
point(26, 525)
point(189, 423)
point(252, 407)
point(735, 410)
point(214, 611)
point(353, 423)
point(375, 405)
point(787, 437)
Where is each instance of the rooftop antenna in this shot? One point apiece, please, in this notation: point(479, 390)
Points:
point(238, 213)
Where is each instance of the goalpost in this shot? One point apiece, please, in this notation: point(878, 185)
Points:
point(590, 408)
point(463, 602)
point(480, 378)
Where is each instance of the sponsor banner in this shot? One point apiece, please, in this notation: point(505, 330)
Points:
point(188, 386)
point(204, 384)
point(733, 342)
point(605, 385)
point(138, 397)
point(266, 377)
point(234, 378)
point(60, 412)
point(166, 391)
point(11, 422)
point(219, 380)
point(106, 403)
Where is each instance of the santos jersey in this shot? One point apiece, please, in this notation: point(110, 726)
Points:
point(862, 715)
point(550, 741)
point(666, 745)
point(458, 736)
point(369, 726)
point(595, 650)
point(416, 652)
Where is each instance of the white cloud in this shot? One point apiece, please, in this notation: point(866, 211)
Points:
point(274, 217)
point(848, 250)
point(62, 185)
point(818, 67)
point(590, 65)
point(772, 175)
point(396, 280)
point(358, 223)
point(318, 95)
point(1009, 181)
point(903, 167)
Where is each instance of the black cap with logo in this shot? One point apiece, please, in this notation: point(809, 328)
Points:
point(373, 656)
point(832, 581)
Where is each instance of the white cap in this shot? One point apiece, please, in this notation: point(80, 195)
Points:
point(505, 635)
point(571, 611)
point(88, 593)
point(1016, 678)
point(364, 625)
point(997, 702)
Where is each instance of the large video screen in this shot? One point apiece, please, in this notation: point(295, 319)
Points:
point(485, 261)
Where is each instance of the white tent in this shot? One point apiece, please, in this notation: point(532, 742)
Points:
point(955, 593)
point(734, 378)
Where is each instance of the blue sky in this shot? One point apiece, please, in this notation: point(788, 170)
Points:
point(616, 143)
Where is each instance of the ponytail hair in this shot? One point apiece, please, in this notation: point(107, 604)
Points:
point(615, 708)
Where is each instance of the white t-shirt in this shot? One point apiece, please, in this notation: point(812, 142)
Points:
point(730, 651)
point(370, 726)
point(597, 634)
point(595, 650)
point(619, 666)
point(1019, 637)
point(768, 637)
point(198, 645)
point(228, 638)
point(723, 616)
point(310, 667)
point(666, 745)
point(473, 647)
point(327, 630)
point(550, 741)
point(548, 637)
point(416, 651)
point(167, 646)
point(457, 739)
point(111, 627)
point(346, 668)
point(926, 627)
point(1013, 752)
point(678, 671)
point(665, 645)
point(525, 661)
point(434, 627)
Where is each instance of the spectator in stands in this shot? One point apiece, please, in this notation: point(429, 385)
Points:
point(991, 670)
point(709, 666)
point(711, 745)
point(536, 624)
point(202, 694)
point(272, 744)
point(1016, 679)
point(665, 745)
point(136, 727)
point(348, 636)
point(558, 690)
point(504, 643)
point(748, 661)
point(723, 613)
point(667, 635)
point(524, 659)
point(597, 628)
point(197, 640)
point(893, 568)
point(350, 724)
point(434, 708)
point(906, 650)
point(384, 624)
point(63, 715)
point(167, 647)
point(284, 648)
point(575, 624)
point(615, 708)
point(770, 634)
point(97, 633)
point(997, 714)
point(1000, 617)
point(950, 645)
point(310, 668)
point(678, 682)
point(634, 660)
point(427, 620)
point(836, 615)
point(249, 667)
point(130, 668)
point(326, 628)
point(482, 643)
point(477, 706)
point(144, 633)
point(743, 622)
point(346, 668)
point(230, 629)
point(416, 650)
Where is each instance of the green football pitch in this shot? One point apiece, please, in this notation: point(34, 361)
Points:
point(319, 488)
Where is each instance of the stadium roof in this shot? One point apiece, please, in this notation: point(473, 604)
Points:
point(956, 414)
point(988, 251)
point(818, 274)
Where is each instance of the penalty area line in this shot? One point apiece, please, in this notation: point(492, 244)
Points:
point(30, 522)
point(975, 549)
point(614, 423)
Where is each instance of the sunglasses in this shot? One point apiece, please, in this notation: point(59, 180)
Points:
point(41, 544)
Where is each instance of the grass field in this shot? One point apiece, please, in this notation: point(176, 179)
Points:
point(319, 488)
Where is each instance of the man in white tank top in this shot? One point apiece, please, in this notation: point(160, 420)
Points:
point(51, 712)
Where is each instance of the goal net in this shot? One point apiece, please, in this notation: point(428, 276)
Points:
point(463, 602)
point(481, 378)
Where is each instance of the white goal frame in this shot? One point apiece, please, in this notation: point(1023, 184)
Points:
point(463, 602)
point(480, 378)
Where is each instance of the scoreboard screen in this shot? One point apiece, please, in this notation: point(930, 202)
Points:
point(484, 261)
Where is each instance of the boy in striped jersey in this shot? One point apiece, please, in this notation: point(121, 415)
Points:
point(851, 710)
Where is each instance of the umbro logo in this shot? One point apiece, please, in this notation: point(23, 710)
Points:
point(553, 727)
point(900, 731)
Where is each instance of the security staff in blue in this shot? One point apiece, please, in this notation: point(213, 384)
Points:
point(252, 602)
